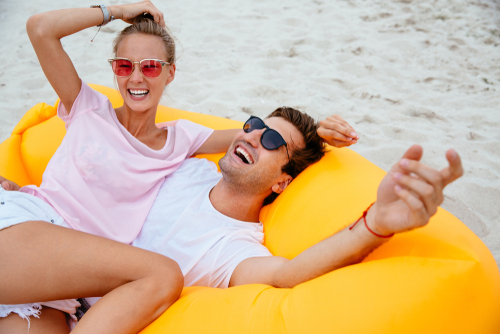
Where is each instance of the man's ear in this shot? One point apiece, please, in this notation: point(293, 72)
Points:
point(281, 184)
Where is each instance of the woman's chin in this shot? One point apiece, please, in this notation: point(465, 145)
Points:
point(140, 105)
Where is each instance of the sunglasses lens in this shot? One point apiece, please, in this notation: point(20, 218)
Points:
point(271, 140)
point(253, 123)
point(122, 67)
point(151, 68)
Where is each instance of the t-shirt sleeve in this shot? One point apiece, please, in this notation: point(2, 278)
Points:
point(197, 134)
point(241, 246)
point(87, 100)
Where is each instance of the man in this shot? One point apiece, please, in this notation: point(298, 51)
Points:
point(209, 223)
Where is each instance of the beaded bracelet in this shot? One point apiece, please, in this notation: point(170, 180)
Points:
point(369, 229)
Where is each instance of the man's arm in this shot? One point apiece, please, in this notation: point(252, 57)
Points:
point(406, 199)
point(341, 249)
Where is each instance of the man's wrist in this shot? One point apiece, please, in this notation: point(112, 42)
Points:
point(373, 225)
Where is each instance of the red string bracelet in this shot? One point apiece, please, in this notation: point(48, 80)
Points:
point(371, 231)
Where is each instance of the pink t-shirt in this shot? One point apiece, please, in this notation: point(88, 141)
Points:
point(102, 180)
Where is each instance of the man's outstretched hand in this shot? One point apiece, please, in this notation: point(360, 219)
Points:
point(411, 192)
point(8, 185)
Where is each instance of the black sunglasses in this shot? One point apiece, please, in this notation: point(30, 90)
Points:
point(270, 139)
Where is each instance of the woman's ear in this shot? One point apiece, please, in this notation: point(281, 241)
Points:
point(281, 185)
point(171, 74)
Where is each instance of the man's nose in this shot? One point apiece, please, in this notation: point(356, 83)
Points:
point(253, 137)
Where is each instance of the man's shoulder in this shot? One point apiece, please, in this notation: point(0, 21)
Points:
point(198, 167)
point(194, 171)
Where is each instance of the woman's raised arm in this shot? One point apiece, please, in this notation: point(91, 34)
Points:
point(45, 31)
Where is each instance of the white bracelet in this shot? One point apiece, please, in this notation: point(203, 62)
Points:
point(106, 16)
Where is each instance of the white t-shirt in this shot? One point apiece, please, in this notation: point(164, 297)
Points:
point(184, 226)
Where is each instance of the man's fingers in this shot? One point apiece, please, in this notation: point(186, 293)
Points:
point(429, 183)
point(337, 117)
point(339, 144)
point(333, 134)
point(427, 173)
point(339, 125)
point(454, 170)
point(327, 124)
point(340, 120)
point(427, 193)
point(416, 206)
point(413, 153)
point(438, 179)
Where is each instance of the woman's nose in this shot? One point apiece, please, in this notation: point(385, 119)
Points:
point(136, 75)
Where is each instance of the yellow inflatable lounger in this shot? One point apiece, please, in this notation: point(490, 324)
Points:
point(437, 279)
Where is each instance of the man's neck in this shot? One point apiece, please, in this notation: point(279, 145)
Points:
point(236, 204)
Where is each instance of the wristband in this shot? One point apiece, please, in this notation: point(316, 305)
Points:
point(369, 229)
point(107, 17)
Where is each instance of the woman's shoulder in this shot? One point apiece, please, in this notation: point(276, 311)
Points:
point(93, 98)
point(88, 100)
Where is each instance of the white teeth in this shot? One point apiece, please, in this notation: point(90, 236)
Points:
point(245, 154)
point(138, 92)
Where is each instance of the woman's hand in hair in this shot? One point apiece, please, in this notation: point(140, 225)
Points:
point(129, 12)
point(337, 132)
point(8, 185)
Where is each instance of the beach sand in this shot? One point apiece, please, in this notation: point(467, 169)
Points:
point(401, 72)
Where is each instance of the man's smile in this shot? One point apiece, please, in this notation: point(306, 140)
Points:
point(243, 154)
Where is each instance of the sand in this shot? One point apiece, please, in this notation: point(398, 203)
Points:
point(401, 72)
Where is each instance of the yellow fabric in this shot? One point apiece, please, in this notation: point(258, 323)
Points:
point(437, 279)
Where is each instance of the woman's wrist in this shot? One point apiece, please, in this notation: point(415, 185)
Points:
point(115, 11)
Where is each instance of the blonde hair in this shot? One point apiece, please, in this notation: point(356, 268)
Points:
point(144, 24)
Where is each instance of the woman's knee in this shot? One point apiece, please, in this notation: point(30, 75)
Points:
point(166, 278)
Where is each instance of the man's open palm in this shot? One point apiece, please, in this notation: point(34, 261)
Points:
point(411, 192)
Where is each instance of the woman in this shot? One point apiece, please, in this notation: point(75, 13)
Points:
point(102, 180)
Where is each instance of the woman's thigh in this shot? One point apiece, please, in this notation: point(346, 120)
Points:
point(50, 322)
point(42, 262)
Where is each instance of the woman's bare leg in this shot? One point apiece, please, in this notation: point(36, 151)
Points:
point(43, 262)
point(50, 322)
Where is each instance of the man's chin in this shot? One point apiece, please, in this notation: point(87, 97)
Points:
point(227, 167)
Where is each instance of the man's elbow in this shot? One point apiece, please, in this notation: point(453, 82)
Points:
point(284, 283)
point(284, 279)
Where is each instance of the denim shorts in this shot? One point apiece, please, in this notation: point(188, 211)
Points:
point(16, 208)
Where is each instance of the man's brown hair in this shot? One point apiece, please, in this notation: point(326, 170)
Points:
point(300, 158)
